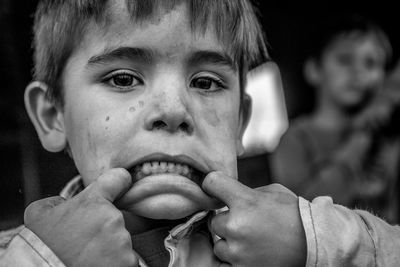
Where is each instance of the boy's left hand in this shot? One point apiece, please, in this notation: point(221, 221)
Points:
point(262, 226)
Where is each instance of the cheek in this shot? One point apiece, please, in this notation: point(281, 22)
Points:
point(221, 118)
point(218, 129)
point(374, 77)
point(93, 139)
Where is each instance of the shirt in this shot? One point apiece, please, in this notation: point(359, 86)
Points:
point(335, 236)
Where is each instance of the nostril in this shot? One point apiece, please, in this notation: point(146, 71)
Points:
point(184, 127)
point(158, 125)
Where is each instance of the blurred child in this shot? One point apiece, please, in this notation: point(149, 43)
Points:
point(148, 99)
point(342, 148)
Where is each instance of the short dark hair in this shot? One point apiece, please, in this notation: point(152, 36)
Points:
point(347, 23)
point(60, 26)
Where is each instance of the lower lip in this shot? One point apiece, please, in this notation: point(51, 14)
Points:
point(166, 184)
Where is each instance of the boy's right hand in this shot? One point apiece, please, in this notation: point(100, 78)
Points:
point(87, 230)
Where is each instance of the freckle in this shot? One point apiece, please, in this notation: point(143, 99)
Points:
point(141, 104)
point(132, 109)
point(106, 128)
point(108, 118)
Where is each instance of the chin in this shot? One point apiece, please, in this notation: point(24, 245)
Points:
point(166, 196)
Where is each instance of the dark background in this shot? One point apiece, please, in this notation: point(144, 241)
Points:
point(289, 31)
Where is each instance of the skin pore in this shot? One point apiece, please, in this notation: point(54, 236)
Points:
point(143, 97)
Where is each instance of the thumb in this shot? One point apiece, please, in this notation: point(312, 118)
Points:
point(111, 185)
point(225, 188)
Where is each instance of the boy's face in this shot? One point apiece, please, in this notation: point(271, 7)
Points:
point(158, 100)
point(351, 69)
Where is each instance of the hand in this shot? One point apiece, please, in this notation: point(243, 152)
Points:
point(261, 228)
point(87, 230)
point(376, 115)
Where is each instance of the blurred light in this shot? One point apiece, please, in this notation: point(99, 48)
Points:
point(269, 116)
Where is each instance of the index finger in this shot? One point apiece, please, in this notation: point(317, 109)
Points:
point(225, 188)
point(111, 185)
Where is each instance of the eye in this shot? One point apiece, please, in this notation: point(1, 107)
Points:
point(344, 59)
point(207, 83)
point(123, 80)
point(372, 63)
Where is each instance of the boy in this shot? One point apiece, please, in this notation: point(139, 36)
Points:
point(147, 98)
point(344, 148)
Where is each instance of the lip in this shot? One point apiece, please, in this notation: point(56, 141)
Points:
point(178, 159)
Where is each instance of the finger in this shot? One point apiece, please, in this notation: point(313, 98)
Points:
point(225, 188)
point(221, 250)
point(111, 185)
point(38, 208)
point(218, 224)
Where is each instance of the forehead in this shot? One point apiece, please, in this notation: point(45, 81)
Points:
point(168, 31)
point(358, 43)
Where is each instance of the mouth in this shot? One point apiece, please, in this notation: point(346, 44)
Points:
point(160, 164)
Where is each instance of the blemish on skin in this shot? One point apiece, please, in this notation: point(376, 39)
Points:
point(107, 118)
point(132, 109)
point(141, 104)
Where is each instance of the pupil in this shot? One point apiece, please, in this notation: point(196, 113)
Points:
point(123, 80)
point(203, 83)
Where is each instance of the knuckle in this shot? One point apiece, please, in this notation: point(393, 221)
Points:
point(30, 213)
point(276, 187)
point(125, 239)
point(220, 249)
point(280, 188)
point(118, 217)
point(130, 260)
point(232, 227)
point(235, 253)
point(34, 211)
point(114, 219)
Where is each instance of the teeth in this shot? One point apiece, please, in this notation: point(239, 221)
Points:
point(163, 166)
point(185, 170)
point(171, 167)
point(156, 167)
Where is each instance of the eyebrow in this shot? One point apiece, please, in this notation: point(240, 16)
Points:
point(211, 57)
point(147, 55)
point(128, 53)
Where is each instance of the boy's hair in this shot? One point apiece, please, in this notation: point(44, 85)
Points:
point(344, 25)
point(60, 26)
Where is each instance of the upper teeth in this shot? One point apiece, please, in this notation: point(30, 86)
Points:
point(156, 167)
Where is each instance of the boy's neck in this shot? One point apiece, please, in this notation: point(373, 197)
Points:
point(137, 225)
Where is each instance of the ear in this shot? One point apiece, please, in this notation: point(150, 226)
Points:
point(46, 116)
point(244, 118)
point(311, 72)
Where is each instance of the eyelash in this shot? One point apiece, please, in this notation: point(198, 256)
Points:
point(109, 79)
point(219, 83)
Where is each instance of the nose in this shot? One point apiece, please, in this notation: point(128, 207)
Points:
point(169, 112)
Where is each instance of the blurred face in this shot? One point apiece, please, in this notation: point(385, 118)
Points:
point(351, 70)
point(158, 100)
